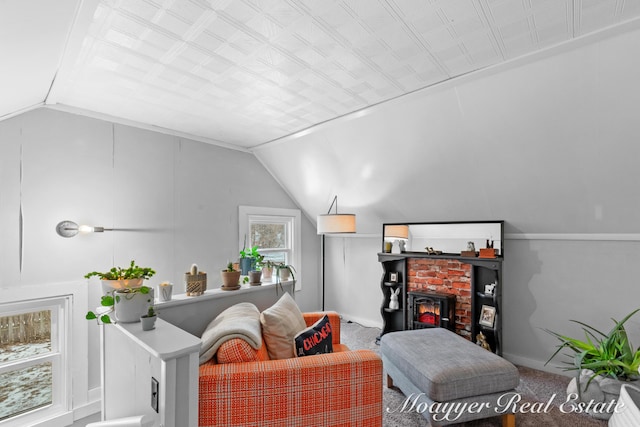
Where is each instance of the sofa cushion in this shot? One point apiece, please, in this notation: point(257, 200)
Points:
point(238, 350)
point(316, 339)
point(280, 324)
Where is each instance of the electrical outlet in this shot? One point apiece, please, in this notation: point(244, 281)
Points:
point(154, 394)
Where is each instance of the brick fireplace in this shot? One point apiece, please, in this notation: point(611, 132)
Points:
point(445, 276)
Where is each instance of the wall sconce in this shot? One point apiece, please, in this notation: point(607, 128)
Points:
point(332, 224)
point(70, 229)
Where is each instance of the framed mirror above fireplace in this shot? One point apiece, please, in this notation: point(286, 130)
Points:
point(443, 238)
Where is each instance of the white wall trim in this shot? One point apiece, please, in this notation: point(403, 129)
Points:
point(612, 237)
point(139, 125)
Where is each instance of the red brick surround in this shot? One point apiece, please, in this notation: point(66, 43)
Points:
point(447, 276)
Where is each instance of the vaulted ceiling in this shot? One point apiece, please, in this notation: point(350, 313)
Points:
point(247, 72)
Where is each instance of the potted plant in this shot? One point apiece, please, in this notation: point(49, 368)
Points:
point(603, 362)
point(250, 259)
point(149, 320)
point(267, 269)
point(124, 293)
point(230, 278)
point(122, 278)
point(126, 304)
point(283, 271)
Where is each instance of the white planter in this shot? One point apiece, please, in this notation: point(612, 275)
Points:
point(627, 413)
point(600, 393)
point(148, 322)
point(129, 306)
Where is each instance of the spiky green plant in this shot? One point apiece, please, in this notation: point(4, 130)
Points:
point(610, 355)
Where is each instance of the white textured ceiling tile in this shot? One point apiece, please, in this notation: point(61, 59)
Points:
point(230, 53)
point(439, 38)
point(514, 29)
point(265, 26)
point(143, 9)
point(208, 41)
point(221, 29)
point(507, 11)
point(283, 13)
point(188, 11)
point(172, 23)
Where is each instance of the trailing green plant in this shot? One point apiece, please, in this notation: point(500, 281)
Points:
point(610, 355)
point(108, 302)
point(133, 271)
point(282, 266)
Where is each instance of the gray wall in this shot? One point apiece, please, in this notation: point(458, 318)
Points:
point(548, 143)
point(174, 200)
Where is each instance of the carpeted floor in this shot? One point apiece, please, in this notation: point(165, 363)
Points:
point(535, 386)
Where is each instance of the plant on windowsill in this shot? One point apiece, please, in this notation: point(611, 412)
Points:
point(124, 294)
point(283, 271)
point(230, 278)
point(603, 362)
point(267, 269)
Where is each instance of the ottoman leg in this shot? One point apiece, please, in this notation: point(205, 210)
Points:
point(509, 420)
point(389, 381)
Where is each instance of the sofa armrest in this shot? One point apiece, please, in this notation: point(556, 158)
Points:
point(334, 319)
point(343, 388)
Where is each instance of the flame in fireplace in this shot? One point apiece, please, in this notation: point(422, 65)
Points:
point(429, 313)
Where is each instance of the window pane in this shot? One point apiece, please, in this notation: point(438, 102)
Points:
point(276, 257)
point(264, 235)
point(25, 389)
point(25, 335)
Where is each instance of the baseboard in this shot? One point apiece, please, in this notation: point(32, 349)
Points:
point(361, 321)
point(534, 364)
point(92, 407)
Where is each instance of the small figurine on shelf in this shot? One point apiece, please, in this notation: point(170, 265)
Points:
point(482, 341)
point(393, 303)
point(490, 288)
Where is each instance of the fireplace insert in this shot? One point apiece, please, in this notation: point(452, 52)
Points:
point(432, 310)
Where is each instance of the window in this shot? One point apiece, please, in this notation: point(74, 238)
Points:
point(33, 349)
point(276, 232)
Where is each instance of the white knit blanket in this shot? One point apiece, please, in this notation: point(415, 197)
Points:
point(238, 321)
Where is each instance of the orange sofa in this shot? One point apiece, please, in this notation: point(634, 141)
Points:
point(343, 388)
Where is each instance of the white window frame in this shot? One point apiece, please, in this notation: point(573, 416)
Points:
point(292, 217)
point(59, 357)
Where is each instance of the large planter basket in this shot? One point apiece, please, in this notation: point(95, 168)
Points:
point(196, 283)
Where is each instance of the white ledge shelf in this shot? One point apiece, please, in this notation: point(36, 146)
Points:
point(180, 299)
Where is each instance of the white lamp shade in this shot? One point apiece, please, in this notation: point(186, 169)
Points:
point(336, 223)
point(396, 232)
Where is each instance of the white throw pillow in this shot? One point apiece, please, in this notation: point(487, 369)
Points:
point(280, 324)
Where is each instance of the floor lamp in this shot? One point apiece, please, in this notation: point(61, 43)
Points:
point(334, 223)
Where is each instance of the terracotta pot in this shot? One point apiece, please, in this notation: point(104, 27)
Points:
point(230, 279)
point(254, 277)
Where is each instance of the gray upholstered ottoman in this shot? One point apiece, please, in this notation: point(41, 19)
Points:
point(447, 378)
